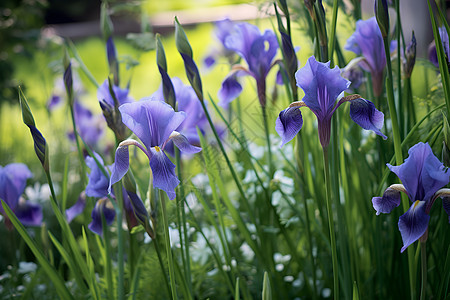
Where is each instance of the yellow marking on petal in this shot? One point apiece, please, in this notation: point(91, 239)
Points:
point(157, 149)
point(297, 104)
point(416, 203)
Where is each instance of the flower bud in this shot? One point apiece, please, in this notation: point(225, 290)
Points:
point(191, 69)
point(410, 55)
point(382, 15)
point(167, 86)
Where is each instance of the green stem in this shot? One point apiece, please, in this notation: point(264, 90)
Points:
point(333, 31)
point(184, 240)
point(423, 258)
point(397, 148)
point(118, 207)
point(80, 151)
point(269, 150)
point(168, 249)
point(161, 264)
point(331, 223)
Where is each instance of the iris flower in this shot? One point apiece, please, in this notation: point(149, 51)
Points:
point(422, 176)
point(258, 50)
point(368, 42)
point(322, 86)
point(222, 29)
point(154, 123)
point(13, 179)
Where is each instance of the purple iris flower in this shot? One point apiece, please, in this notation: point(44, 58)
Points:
point(422, 176)
point(105, 207)
point(187, 102)
point(89, 126)
point(13, 179)
point(368, 42)
point(322, 86)
point(154, 123)
point(258, 50)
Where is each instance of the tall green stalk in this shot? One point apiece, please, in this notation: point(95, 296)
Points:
point(168, 249)
point(423, 258)
point(326, 167)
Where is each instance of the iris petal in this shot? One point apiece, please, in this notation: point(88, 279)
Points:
point(77, 208)
point(164, 176)
point(288, 124)
point(229, 90)
point(364, 113)
point(322, 86)
point(29, 214)
point(390, 200)
point(183, 143)
point(151, 121)
point(103, 206)
point(413, 224)
point(98, 183)
point(13, 179)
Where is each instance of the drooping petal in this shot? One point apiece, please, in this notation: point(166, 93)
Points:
point(288, 124)
point(77, 208)
point(13, 179)
point(413, 223)
point(102, 207)
point(364, 113)
point(122, 161)
point(98, 183)
point(183, 143)
point(390, 199)
point(151, 121)
point(321, 85)
point(229, 90)
point(28, 213)
point(163, 169)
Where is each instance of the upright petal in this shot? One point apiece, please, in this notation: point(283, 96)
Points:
point(390, 200)
point(422, 173)
point(321, 85)
point(102, 207)
point(364, 113)
point(288, 124)
point(410, 171)
point(151, 121)
point(367, 40)
point(413, 223)
point(434, 176)
point(28, 213)
point(242, 38)
point(163, 169)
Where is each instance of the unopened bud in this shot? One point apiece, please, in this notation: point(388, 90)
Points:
point(382, 15)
